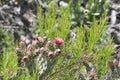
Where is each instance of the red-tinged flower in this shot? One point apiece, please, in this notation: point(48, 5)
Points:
point(57, 51)
point(118, 54)
point(25, 58)
point(58, 41)
point(17, 49)
point(29, 46)
point(39, 38)
point(45, 38)
point(30, 52)
point(37, 50)
point(50, 54)
point(22, 44)
point(91, 73)
point(34, 42)
point(42, 49)
point(115, 62)
point(49, 43)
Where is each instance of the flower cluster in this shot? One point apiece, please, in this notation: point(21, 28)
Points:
point(39, 45)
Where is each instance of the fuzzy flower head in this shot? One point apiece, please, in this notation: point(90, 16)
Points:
point(25, 58)
point(58, 41)
point(34, 42)
point(113, 63)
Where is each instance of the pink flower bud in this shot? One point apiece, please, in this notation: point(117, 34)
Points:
point(30, 52)
point(45, 38)
point(48, 43)
point(91, 73)
point(30, 49)
point(50, 54)
point(42, 49)
point(37, 50)
point(25, 58)
point(115, 62)
point(57, 51)
point(58, 41)
point(17, 49)
point(22, 44)
point(34, 42)
point(39, 39)
point(118, 54)
point(29, 46)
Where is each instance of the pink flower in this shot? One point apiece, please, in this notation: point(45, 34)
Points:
point(48, 43)
point(115, 62)
point(25, 58)
point(39, 38)
point(57, 51)
point(118, 54)
point(42, 49)
point(17, 49)
point(22, 44)
point(58, 40)
point(50, 54)
point(29, 46)
point(30, 49)
point(34, 42)
point(37, 50)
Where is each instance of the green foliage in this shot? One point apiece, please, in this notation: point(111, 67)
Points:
point(51, 26)
point(8, 60)
point(9, 64)
point(47, 22)
point(103, 56)
point(95, 33)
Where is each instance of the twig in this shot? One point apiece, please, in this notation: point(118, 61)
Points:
point(47, 78)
